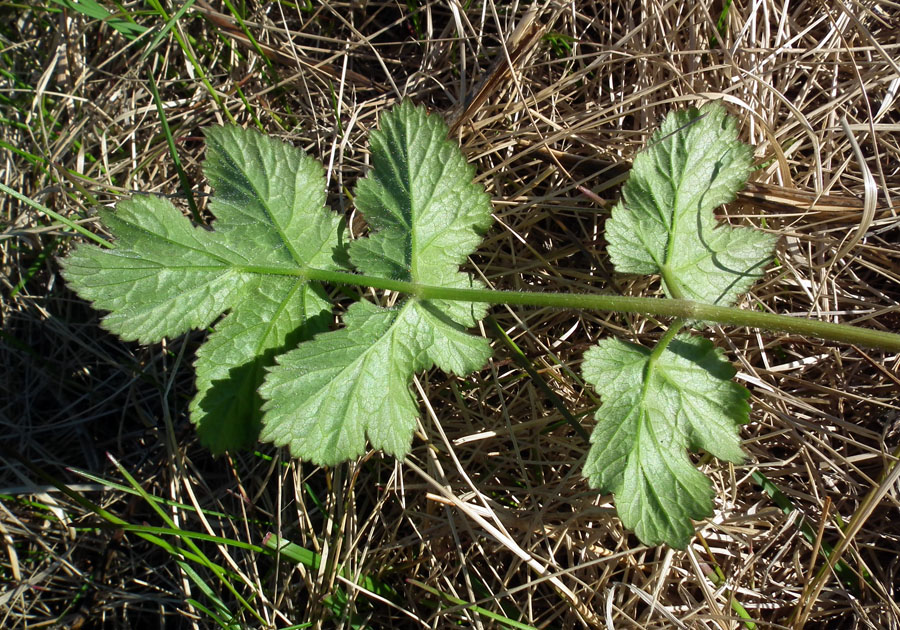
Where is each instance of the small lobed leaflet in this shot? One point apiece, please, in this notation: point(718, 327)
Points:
point(657, 405)
point(326, 397)
point(665, 222)
point(654, 408)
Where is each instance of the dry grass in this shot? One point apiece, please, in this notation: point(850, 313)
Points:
point(490, 506)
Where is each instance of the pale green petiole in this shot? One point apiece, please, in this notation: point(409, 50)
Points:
point(661, 307)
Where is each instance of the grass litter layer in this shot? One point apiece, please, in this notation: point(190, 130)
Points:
point(488, 523)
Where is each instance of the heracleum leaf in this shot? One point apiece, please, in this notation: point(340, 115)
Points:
point(665, 223)
point(166, 276)
point(652, 412)
point(231, 364)
point(426, 217)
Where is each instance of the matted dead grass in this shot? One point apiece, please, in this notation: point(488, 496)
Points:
point(550, 101)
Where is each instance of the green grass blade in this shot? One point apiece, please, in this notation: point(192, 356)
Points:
point(525, 363)
point(847, 576)
point(54, 215)
point(312, 560)
point(216, 569)
point(90, 8)
point(34, 267)
point(193, 61)
point(176, 160)
point(484, 612)
point(161, 500)
point(165, 29)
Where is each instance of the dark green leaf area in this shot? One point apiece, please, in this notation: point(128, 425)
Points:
point(269, 200)
point(325, 398)
point(232, 364)
point(652, 412)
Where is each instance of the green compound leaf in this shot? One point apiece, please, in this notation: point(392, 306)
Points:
point(653, 411)
point(665, 223)
point(427, 216)
point(166, 276)
point(657, 405)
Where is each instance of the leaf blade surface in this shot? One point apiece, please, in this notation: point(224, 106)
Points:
point(166, 276)
point(665, 222)
point(652, 412)
point(426, 215)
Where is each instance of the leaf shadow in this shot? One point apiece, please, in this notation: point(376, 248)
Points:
point(700, 354)
point(231, 410)
point(737, 274)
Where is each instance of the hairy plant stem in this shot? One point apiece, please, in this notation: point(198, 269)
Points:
point(662, 307)
point(671, 281)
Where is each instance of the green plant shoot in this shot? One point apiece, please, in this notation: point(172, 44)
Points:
point(273, 368)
